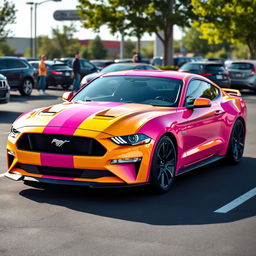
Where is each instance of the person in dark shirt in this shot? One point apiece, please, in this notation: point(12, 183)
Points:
point(76, 73)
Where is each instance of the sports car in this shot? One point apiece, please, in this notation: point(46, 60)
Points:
point(129, 128)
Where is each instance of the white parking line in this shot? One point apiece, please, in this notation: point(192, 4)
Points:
point(233, 204)
point(2, 175)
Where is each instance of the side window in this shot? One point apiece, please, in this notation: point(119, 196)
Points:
point(22, 64)
point(12, 63)
point(200, 89)
point(86, 65)
point(2, 64)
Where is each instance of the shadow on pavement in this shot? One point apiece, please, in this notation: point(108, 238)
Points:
point(192, 200)
point(8, 116)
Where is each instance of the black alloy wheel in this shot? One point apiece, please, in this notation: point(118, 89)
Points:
point(26, 87)
point(163, 165)
point(236, 143)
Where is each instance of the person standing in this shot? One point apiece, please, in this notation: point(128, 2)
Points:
point(76, 73)
point(42, 76)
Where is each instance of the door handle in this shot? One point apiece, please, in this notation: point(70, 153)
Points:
point(218, 112)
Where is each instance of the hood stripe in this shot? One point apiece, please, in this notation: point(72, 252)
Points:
point(75, 116)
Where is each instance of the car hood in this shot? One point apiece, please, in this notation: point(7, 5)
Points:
point(113, 118)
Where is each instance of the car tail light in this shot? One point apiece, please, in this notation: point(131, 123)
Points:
point(205, 74)
point(227, 74)
point(56, 72)
point(253, 71)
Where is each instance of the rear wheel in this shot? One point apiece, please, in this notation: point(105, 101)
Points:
point(163, 165)
point(236, 143)
point(26, 87)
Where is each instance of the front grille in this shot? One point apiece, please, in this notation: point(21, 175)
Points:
point(3, 83)
point(64, 172)
point(60, 144)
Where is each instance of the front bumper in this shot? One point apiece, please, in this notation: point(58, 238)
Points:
point(27, 164)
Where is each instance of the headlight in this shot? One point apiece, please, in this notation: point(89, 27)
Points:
point(134, 139)
point(14, 132)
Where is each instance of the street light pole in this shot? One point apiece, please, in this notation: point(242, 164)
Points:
point(31, 30)
point(35, 40)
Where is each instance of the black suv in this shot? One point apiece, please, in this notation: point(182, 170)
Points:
point(214, 71)
point(58, 73)
point(20, 74)
point(86, 66)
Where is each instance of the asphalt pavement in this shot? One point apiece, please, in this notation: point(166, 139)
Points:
point(61, 220)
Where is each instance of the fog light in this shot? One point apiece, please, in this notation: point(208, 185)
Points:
point(10, 152)
point(126, 160)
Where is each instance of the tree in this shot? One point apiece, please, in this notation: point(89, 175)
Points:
point(64, 41)
point(129, 48)
point(7, 17)
point(47, 46)
point(137, 17)
point(194, 43)
point(97, 49)
point(233, 20)
point(6, 49)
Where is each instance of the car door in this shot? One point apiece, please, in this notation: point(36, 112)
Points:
point(14, 72)
point(201, 127)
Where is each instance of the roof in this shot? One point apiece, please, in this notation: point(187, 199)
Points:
point(205, 63)
point(152, 73)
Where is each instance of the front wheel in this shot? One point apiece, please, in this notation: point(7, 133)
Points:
point(236, 143)
point(26, 87)
point(163, 165)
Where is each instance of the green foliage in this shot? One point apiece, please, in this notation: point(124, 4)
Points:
point(148, 51)
point(96, 49)
point(47, 46)
point(6, 49)
point(194, 43)
point(61, 45)
point(7, 17)
point(84, 52)
point(129, 48)
point(64, 41)
point(168, 67)
point(137, 17)
point(221, 19)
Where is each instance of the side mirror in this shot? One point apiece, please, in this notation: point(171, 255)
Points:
point(200, 103)
point(67, 96)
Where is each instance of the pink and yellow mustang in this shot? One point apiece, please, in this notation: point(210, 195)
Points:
point(129, 128)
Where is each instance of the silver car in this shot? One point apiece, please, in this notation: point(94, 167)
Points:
point(243, 74)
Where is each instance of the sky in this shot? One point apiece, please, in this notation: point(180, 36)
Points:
point(45, 21)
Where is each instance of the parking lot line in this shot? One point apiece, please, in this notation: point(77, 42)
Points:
point(236, 202)
point(2, 175)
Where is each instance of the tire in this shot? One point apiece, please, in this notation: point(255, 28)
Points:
point(26, 87)
point(163, 165)
point(236, 143)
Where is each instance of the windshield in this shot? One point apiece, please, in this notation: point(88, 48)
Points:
point(242, 66)
point(155, 91)
point(117, 67)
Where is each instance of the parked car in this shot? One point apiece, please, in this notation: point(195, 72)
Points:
point(86, 66)
point(100, 64)
point(58, 73)
point(177, 60)
point(243, 74)
point(4, 90)
point(214, 71)
point(129, 128)
point(118, 67)
point(19, 73)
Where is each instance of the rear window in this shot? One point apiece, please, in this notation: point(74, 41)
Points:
point(191, 67)
point(242, 66)
point(60, 66)
point(214, 68)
